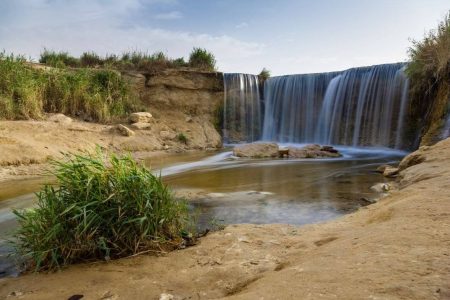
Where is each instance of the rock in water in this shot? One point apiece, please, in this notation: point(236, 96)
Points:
point(381, 168)
point(313, 151)
point(125, 131)
point(390, 172)
point(141, 117)
point(256, 150)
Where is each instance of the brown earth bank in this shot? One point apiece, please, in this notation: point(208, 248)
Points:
point(398, 248)
point(181, 102)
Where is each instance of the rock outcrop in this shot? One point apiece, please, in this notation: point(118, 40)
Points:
point(265, 150)
point(313, 151)
point(256, 150)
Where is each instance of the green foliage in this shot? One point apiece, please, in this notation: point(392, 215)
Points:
point(202, 59)
point(26, 92)
point(429, 71)
point(264, 74)
point(103, 207)
point(182, 138)
point(91, 59)
point(58, 59)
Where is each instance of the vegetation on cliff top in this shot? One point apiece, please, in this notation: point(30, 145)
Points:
point(27, 92)
point(429, 73)
point(199, 59)
point(103, 207)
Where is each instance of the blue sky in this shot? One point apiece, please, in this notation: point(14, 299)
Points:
point(285, 36)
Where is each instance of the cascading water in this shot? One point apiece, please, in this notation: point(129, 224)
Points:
point(359, 107)
point(293, 104)
point(242, 113)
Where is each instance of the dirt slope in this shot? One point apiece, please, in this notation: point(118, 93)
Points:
point(398, 248)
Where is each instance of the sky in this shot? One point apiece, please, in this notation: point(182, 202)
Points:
point(284, 36)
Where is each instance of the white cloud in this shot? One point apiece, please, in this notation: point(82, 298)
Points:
point(173, 15)
point(76, 29)
point(241, 25)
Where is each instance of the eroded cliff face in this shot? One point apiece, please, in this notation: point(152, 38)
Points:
point(183, 101)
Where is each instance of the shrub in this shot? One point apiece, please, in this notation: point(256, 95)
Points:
point(202, 59)
point(104, 207)
point(264, 74)
point(182, 138)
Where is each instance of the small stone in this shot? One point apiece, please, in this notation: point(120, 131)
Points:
point(60, 118)
point(141, 117)
point(165, 296)
point(125, 131)
point(188, 120)
point(381, 168)
point(390, 172)
point(141, 126)
point(15, 294)
point(167, 135)
point(380, 187)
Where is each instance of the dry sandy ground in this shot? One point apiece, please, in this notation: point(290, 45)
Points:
point(26, 145)
point(398, 248)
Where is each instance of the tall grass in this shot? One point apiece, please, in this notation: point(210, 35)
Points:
point(26, 92)
point(103, 207)
point(429, 73)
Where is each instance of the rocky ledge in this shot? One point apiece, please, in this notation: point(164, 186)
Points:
point(273, 150)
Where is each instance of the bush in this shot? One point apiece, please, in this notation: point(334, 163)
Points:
point(103, 207)
point(202, 59)
point(264, 74)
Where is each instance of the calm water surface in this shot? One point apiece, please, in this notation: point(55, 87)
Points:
point(242, 190)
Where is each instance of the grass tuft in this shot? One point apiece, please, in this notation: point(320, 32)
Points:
point(104, 207)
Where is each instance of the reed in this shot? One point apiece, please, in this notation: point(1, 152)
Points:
point(103, 207)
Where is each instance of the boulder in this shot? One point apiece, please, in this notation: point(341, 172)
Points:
point(380, 187)
point(125, 131)
point(141, 117)
point(313, 151)
point(411, 159)
point(256, 150)
point(141, 126)
point(390, 172)
point(167, 135)
point(381, 168)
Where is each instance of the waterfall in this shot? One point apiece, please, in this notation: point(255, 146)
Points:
point(364, 106)
point(358, 107)
point(242, 113)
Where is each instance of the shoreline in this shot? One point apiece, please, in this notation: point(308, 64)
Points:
point(396, 248)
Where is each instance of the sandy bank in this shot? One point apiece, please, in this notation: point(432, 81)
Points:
point(398, 248)
point(26, 145)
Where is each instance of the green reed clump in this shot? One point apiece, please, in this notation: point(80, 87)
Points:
point(103, 207)
point(27, 92)
point(202, 59)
